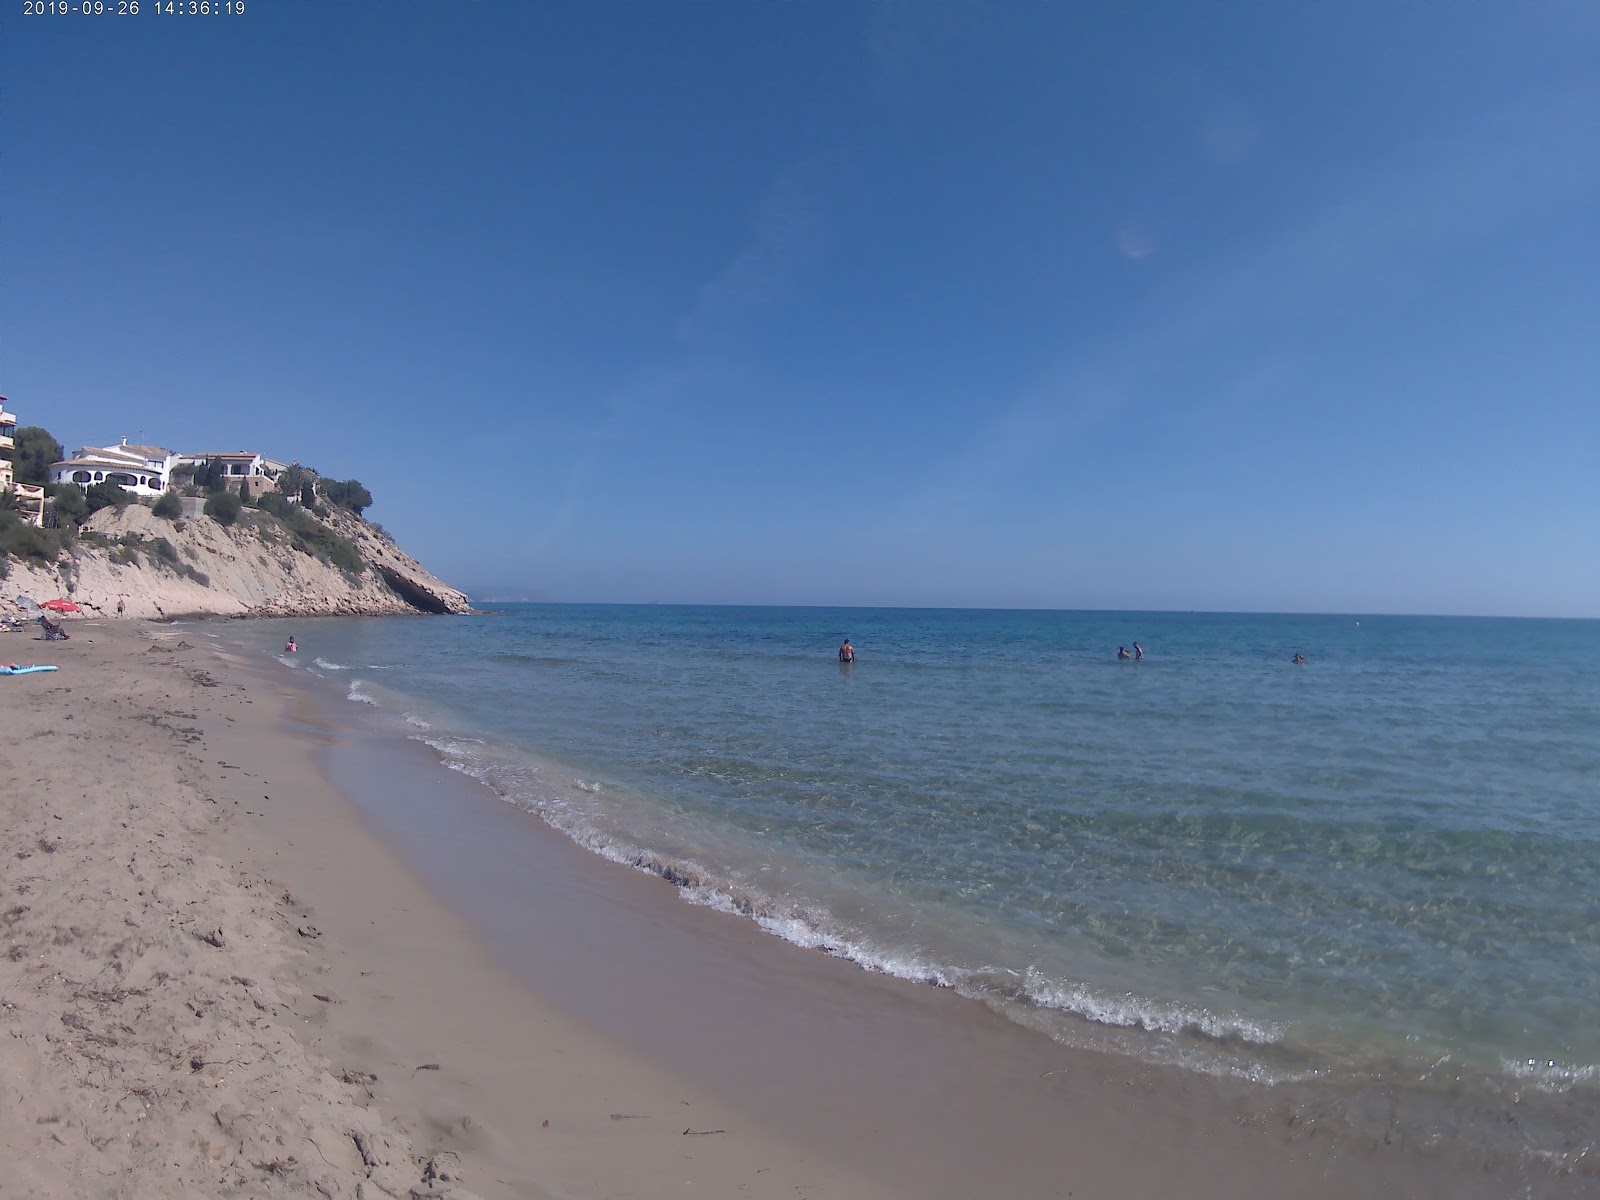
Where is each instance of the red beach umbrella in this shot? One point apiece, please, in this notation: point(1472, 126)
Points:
point(61, 606)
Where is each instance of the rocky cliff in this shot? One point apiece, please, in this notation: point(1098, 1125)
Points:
point(259, 566)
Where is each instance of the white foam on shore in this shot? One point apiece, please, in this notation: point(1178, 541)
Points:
point(329, 666)
point(815, 928)
point(359, 694)
point(1131, 1011)
point(1548, 1075)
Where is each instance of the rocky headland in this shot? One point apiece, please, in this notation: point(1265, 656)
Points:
point(257, 566)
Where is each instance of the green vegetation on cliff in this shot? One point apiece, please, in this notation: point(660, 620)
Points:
point(33, 450)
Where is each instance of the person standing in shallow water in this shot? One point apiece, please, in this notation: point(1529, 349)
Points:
point(1138, 651)
point(847, 652)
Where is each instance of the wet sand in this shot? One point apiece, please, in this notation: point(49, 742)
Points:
point(255, 950)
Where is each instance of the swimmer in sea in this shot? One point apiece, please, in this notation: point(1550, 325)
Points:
point(847, 652)
point(1299, 658)
point(1138, 651)
point(1122, 652)
point(289, 647)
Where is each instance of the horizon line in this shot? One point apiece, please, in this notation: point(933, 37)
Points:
point(1351, 614)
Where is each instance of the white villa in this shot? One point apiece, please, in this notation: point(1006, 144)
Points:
point(29, 497)
point(237, 465)
point(142, 470)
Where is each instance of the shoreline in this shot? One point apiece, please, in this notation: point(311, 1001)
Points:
point(210, 914)
point(602, 1004)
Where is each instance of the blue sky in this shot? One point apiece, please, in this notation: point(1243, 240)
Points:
point(1229, 306)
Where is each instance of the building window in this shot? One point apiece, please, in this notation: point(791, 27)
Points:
point(82, 477)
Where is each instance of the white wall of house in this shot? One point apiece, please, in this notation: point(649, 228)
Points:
point(8, 441)
point(30, 499)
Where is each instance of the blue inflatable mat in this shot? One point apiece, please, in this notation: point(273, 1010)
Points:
point(28, 670)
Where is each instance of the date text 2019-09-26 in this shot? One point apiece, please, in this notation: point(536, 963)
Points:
point(133, 8)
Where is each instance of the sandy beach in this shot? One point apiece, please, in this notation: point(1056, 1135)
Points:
point(222, 977)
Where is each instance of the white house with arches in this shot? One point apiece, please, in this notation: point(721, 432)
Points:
point(142, 470)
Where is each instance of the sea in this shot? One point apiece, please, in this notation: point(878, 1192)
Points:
point(1375, 871)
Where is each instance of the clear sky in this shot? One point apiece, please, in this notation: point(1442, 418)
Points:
point(1244, 306)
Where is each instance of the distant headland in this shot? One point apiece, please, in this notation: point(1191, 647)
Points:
point(147, 532)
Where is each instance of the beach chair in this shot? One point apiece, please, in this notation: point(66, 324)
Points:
point(52, 631)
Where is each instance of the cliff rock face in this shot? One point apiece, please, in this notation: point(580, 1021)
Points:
point(252, 568)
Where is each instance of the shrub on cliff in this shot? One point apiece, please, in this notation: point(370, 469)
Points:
point(316, 539)
point(106, 495)
point(69, 503)
point(276, 504)
point(346, 493)
point(164, 554)
point(222, 507)
point(168, 506)
point(18, 539)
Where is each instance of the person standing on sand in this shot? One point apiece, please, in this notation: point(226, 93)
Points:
point(121, 608)
point(847, 652)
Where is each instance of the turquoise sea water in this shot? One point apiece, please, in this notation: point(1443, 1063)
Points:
point(1381, 867)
